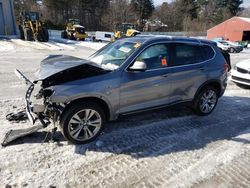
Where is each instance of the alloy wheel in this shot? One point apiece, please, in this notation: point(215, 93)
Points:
point(84, 124)
point(208, 101)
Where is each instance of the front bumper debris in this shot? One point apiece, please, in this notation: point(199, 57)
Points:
point(14, 134)
point(27, 101)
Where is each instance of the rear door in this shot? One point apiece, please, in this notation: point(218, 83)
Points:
point(188, 71)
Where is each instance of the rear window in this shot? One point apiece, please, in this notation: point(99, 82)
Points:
point(187, 54)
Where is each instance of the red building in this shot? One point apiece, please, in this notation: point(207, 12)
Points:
point(234, 29)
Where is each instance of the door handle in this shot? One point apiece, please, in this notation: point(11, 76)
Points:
point(202, 68)
point(164, 75)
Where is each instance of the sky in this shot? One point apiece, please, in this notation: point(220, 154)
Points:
point(159, 2)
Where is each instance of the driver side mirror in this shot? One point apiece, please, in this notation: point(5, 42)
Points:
point(138, 66)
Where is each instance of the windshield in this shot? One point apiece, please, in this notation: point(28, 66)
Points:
point(115, 54)
point(32, 16)
point(224, 43)
point(74, 21)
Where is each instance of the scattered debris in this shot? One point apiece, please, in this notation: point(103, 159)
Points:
point(17, 116)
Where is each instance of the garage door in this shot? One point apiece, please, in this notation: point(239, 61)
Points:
point(1, 20)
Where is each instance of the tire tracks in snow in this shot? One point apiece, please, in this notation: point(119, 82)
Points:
point(149, 150)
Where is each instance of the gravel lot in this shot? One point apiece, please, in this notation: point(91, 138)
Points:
point(165, 148)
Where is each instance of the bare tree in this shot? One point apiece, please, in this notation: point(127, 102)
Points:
point(246, 12)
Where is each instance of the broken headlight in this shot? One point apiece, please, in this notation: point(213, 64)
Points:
point(47, 92)
point(44, 93)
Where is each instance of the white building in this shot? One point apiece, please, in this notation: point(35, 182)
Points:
point(7, 18)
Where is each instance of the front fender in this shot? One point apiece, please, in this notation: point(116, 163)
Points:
point(110, 97)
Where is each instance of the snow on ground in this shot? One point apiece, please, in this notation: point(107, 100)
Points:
point(165, 148)
point(93, 45)
point(6, 46)
point(53, 45)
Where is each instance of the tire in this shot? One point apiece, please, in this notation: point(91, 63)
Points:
point(28, 35)
point(71, 37)
point(45, 35)
point(205, 101)
point(231, 50)
point(64, 35)
point(76, 129)
point(21, 33)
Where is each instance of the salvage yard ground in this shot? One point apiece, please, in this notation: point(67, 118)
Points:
point(166, 148)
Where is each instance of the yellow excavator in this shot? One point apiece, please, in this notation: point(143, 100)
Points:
point(125, 30)
point(31, 28)
point(74, 30)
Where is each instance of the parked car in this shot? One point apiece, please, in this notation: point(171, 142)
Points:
point(232, 47)
point(128, 76)
point(241, 73)
point(244, 44)
point(223, 46)
point(104, 36)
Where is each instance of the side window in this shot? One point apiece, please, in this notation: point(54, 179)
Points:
point(208, 52)
point(156, 56)
point(187, 54)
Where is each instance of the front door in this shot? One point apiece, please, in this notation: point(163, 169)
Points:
point(140, 90)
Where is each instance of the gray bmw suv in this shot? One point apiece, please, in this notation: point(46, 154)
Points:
point(124, 77)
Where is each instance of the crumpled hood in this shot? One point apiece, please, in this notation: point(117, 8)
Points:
point(245, 64)
point(59, 69)
point(54, 64)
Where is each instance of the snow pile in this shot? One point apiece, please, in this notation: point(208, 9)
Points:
point(93, 45)
point(6, 46)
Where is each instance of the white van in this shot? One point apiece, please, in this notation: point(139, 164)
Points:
point(104, 36)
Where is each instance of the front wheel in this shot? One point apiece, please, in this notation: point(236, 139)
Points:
point(206, 101)
point(28, 34)
point(82, 123)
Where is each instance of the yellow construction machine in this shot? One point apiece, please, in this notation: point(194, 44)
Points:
point(125, 30)
point(74, 30)
point(31, 28)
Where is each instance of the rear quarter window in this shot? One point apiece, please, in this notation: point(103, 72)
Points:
point(208, 52)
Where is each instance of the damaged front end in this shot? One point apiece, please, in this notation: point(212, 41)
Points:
point(42, 111)
point(54, 71)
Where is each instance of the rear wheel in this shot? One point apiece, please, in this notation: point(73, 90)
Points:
point(82, 122)
point(64, 35)
point(71, 37)
point(21, 33)
point(45, 35)
point(206, 101)
point(231, 50)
